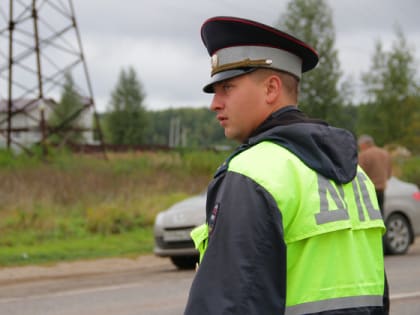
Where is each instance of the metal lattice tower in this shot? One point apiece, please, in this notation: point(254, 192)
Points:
point(39, 44)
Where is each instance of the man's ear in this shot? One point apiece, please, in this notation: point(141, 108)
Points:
point(273, 88)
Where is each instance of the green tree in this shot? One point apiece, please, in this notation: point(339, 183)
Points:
point(391, 113)
point(126, 121)
point(65, 119)
point(312, 22)
point(198, 127)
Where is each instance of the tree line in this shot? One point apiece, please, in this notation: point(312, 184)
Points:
point(389, 111)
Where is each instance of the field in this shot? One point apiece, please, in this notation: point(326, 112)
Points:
point(79, 206)
point(75, 206)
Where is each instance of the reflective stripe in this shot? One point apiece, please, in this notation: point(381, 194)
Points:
point(335, 304)
point(326, 215)
point(358, 202)
point(373, 214)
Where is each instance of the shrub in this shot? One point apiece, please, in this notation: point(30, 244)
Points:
point(111, 219)
point(410, 169)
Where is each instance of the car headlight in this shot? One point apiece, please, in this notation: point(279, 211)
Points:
point(159, 220)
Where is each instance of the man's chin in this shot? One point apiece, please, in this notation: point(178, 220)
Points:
point(232, 136)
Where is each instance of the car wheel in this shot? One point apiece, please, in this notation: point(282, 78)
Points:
point(398, 236)
point(185, 262)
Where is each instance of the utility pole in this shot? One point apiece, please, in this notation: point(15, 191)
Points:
point(44, 44)
point(174, 132)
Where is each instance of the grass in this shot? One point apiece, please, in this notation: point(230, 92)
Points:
point(131, 243)
point(83, 207)
point(77, 206)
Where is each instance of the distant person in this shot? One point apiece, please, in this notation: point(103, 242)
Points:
point(287, 230)
point(376, 162)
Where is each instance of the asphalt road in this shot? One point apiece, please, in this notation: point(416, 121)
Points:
point(147, 285)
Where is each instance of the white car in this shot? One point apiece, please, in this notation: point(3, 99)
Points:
point(402, 216)
point(173, 226)
point(172, 231)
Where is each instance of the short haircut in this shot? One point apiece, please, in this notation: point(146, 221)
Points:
point(290, 82)
point(365, 139)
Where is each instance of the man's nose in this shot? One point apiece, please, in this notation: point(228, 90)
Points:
point(216, 103)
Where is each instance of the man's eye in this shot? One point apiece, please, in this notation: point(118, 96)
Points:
point(227, 87)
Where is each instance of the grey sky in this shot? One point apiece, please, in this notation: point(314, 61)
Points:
point(161, 40)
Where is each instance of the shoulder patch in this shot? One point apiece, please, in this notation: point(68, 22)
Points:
point(213, 217)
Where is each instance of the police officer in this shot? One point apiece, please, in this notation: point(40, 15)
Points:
point(293, 225)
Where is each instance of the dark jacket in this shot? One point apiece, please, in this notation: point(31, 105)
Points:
point(244, 268)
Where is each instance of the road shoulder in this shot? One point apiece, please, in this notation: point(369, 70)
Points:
point(78, 268)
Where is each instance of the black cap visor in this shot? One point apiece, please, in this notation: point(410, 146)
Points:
point(225, 75)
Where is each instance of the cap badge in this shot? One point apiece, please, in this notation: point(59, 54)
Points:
point(216, 67)
point(214, 61)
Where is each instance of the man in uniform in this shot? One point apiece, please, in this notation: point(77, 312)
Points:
point(293, 225)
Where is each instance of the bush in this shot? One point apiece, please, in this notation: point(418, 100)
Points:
point(410, 169)
point(111, 219)
point(75, 199)
point(73, 195)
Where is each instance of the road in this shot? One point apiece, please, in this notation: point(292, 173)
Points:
point(147, 285)
point(404, 281)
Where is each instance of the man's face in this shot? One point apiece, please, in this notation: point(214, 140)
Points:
point(240, 105)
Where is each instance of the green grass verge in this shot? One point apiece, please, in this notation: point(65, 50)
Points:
point(81, 207)
point(132, 243)
point(73, 207)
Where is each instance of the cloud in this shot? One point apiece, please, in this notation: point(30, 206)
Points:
point(173, 71)
point(161, 40)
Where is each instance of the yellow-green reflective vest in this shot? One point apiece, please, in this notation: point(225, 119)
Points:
point(333, 232)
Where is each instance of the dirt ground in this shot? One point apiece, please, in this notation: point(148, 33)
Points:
point(66, 269)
